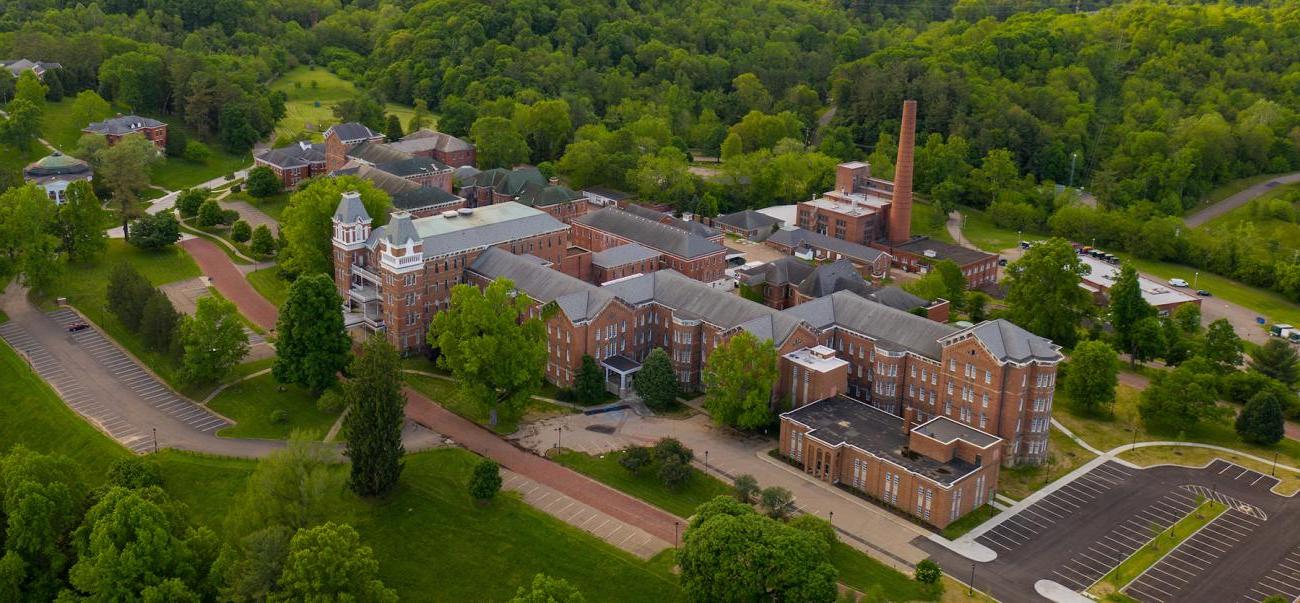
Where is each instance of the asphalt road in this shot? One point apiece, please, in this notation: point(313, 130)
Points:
point(1239, 199)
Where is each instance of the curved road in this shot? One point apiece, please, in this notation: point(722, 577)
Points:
point(1240, 199)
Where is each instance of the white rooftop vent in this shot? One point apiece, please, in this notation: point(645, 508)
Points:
point(465, 211)
point(304, 145)
point(930, 253)
point(449, 214)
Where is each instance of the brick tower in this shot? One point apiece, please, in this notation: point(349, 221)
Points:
point(900, 210)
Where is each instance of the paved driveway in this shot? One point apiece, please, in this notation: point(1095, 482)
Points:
point(231, 282)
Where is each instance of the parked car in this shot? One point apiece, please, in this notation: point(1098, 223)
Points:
point(1203, 293)
point(77, 326)
point(1177, 282)
point(1002, 262)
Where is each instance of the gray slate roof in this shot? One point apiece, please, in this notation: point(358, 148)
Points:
point(690, 298)
point(782, 271)
point(839, 275)
point(671, 220)
point(352, 132)
point(1010, 343)
point(124, 124)
point(650, 233)
point(406, 195)
point(350, 209)
point(944, 251)
point(425, 139)
point(18, 66)
point(400, 230)
point(294, 155)
point(506, 182)
point(890, 328)
point(623, 254)
point(748, 220)
point(579, 300)
point(480, 236)
point(796, 237)
point(376, 153)
point(536, 195)
point(896, 298)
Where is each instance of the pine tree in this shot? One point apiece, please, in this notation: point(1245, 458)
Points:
point(393, 129)
point(312, 346)
point(128, 292)
point(589, 385)
point(1261, 421)
point(655, 382)
point(374, 425)
point(158, 323)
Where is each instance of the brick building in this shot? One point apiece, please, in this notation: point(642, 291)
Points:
point(437, 145)
point(394, 277)
point(419, 201)
point(747, 223)
point(118, 127)
point(623, 261)
point(499, 185)
point(342, 138)
point(809, 245)
point(690, 254)
point(937, 471)
point(696, 228)
point(918, 254)
point(295, 163)
point(420, 170)
point(560, 201)
point(16, 67)
point(790, 281)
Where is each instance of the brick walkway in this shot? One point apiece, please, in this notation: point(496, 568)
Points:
point(611, 502)
point(231, 283)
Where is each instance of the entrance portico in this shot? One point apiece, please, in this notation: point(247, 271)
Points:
point(618, 372)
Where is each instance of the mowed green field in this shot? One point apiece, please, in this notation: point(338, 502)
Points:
point(312, 93)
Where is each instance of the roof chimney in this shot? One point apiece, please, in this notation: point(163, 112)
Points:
point(900, 210)
point(909, 420)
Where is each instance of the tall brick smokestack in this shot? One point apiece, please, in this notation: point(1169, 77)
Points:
point(900, 210)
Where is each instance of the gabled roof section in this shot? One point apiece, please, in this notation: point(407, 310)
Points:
point(797, 237)
point(891, 329)
point(839, 275)
point(401, 231)
point(782, 271)
point(692, 227)
point(650, 233)
point(350, 209)
point(535, 195)
point(352, 132)
point(692, 299)
point(578, 300)
point(622, 254)
point(507, 182)
point(406, 195)
point(296, 155)
point(1009, 343)
point(376, 153)
point(896, 298)
point(425, 139)
point(748, 220)
point(122, 124)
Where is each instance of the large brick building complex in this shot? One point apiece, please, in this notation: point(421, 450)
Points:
point(688, 253)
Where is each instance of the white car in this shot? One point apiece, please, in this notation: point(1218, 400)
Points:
point(1177, 282)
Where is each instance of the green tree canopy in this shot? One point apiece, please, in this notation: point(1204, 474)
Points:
point(1043, 292)
point(374, 423)
point(656, 382)
point(498, 143)
point(79, 223)
point(739, 377)
point(1277, 359)
point(1092, 376)
point(307, 222)
point(329, 563)
point(1127, 308)
point(311, 345)
point(545, 589)
point(213, 340)
point(1178, 400)
point(1261, 420)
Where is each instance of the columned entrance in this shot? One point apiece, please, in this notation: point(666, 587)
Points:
point(618, 373)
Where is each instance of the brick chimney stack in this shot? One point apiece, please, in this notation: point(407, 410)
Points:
point(909, 420)
point(900, 210)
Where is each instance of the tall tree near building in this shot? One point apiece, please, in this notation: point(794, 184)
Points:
point(312, 346)
point(589, 384)
point(1222, 346)
point(124, 168)
point(1148, 340)
point(1043, 292)
point(213, 341)
point(545, 126)
point(656, 382)
point(393, 128)
point(1127, 308)
point(23, 124)
point(498, 143)
point(29, 88)
point(89, 107)
point(364, 109)
point(491, 344)
point(374, 424)
point(420, 117)
point(738, 381)
point(954, 282)
point(128, 292)
point(1261, 421)
point(158, 322)
point(1092, 376)
point(26, 248)
point(262, 182)
point(79, 223)
point(1277, 359)
point(1188, 318)
point(307, 222)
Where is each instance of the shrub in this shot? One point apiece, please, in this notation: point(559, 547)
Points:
point(746, 488)
point(236, 188)
point(777, 502)
point(486, 480)
point(263, 243)
point(279, 416)
point(928, 572)
point(674, 473)
point(240, 231)
point(331, 401)
point(669, 450)
point(210, 213)
point(196, 151)
point(635, 458)
point(229, 216)
point(190, 199)
point(155, 231)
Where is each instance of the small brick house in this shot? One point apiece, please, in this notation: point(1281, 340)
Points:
point(439, 146)
point(116, 128)
point(340, 139)
point(295, 163)
point(937, 471)
point(810, 245)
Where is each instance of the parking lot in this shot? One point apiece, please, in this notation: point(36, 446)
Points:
point(70, 387)
point(126, 370)
point(1080, 532)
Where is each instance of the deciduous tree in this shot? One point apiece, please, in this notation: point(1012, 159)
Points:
point(498, 143)
point(79, 223)
point(262, 242)
point(307, 221)
point(1092, 376)
point(262, 182)
point(374, 424)
point(213, 341)
point(124, 169)
point(329, 563)
point(491, 344)
point(1222, 346)
point(656, 382)
point(1178, 400)
point(1043, 292)
point(155, 231)
point(312, 346)
point(295, 487)
point(1127, 308)
point(738, 379)
point(546, 589)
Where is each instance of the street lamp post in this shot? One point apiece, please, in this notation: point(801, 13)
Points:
point(832, 518)
point(155, 440)
point(971, 592)
point(706, 461)
point(1196, 277)
point(559, 434)
point(675, 525)
point(1274, 474)
point(1073, 157)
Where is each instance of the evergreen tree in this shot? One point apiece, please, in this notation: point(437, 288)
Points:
point(312, 346)
point(485, 482)
point(1127, 308)
point(1277, 359)
point(158, 322)
point(393, 128)
point(374, 424)
point(589, 384)
point(128, 292)
point(1261, 421)
point(656, 382)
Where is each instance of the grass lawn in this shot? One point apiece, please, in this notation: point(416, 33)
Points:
point(272, 206)
point(444, 392)
point(1065, 456)
point(969, 522)
point(929, 220)
point(1200, 457)
point(1160, 545)
point(250, 403)
point(1268, 304)
point(1105, 433)
point(645, 484)
point(987, 236)
point(270, 285)
point(877, 580)
point(13, 160)
point(85, 286)
point(301, 112)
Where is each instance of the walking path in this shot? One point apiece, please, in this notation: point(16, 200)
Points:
point(168, 200)
point(583, 516)
point(227, 278)
point(652, 520)
point(1234, 201)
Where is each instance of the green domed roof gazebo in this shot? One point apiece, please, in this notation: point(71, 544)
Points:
point(55, 172)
